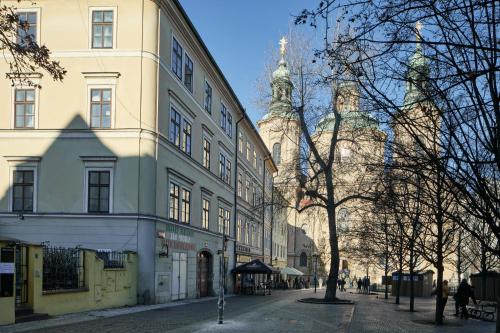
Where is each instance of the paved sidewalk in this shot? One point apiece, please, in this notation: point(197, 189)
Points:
point(79, 317)
point(374, 314)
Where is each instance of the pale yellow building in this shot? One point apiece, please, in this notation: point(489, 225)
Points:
point(137, 149)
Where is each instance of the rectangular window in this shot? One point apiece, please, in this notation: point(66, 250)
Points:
point(186, 206)
point(98, 191)
point(225, 169)
point(248, 151)
point(208, 97)
point(27, 28)
point(206, 153)
point(228, 172)
point(174, 202)
point(229, 128)
point(254, 159)
point(247, 190)
point(186, 137)
point(254, 197)
point(238, 229)
point(23, 191)
point(24, 108)
point(240, 184)
point(240, 141)
point(100, 108)
point(102, 29)
point(223, 117)
point(224, 220)
point(177, 58)
point(205, 218)
point(227, 221)
point(175, 127)
point(188, 73)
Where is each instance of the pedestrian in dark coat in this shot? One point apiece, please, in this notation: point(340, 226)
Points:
point(464, 292)
point(360, 284)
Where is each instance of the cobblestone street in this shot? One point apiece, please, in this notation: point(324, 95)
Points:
point(279, 312)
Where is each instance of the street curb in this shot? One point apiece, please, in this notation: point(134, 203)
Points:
point(79, 317)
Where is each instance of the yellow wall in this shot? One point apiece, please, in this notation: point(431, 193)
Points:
point(104, 288)
point(7, 304)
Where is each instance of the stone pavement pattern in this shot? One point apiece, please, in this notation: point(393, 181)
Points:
point(279, 312)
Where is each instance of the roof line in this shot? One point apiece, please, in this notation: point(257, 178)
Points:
point(214, 63)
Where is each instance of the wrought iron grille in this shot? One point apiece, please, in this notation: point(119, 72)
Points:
point(112, 259)
point(63, 268)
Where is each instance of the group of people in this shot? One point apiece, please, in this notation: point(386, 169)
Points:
point(461, 297)
point(341, 284)
point(363, 285)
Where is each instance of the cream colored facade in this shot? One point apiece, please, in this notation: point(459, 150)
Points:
point(308, 231)
point(146, 88)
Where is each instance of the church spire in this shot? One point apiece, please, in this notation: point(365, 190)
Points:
point(417, 75)
point(281, 87)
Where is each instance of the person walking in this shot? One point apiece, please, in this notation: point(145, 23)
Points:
point(464, 292)
point(360, 283)
point(445, 294)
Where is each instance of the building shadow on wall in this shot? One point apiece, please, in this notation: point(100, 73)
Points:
point(69, 181)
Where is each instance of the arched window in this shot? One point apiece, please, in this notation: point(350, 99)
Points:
point(303, 259)
point(277, 153)
point(343, 220)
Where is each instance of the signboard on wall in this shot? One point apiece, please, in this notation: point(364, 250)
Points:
point(7, 256)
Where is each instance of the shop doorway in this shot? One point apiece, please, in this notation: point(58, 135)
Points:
point(204, 273)
point(179, 275)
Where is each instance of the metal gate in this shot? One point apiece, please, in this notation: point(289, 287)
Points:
point(179, 275)
point(21, 275)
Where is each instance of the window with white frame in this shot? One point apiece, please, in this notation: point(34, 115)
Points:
point(240, 141)
point(240, 184)
point(224, 220)
point(247, 233)
point(98, 191)
point(188, 72)
point(223, 117)
point(225, 168)
point(177, 58)
point(208, 97)
point(205, 215)
point(100, 107)
point(249, 151)
point(229, 127)
point(180, 137)
point(27, 30)
point(247, 189)
point(23, 190)
point(175, 127)
point(254, 159)
point(24, 108)
point(238, 229)
point(186, 206)
point(206, 153)
point(174, 198)
point(186, 137)
point(102, 29)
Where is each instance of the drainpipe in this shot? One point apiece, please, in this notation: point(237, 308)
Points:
point(236, 186)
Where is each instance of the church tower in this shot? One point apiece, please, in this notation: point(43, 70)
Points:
point(418, 111)
point(280, 127)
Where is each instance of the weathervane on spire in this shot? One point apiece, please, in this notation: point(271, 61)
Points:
point(283, 43)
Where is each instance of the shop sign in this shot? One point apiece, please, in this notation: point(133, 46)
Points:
point(241, 248)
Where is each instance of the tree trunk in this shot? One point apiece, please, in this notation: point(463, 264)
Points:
point(333, 276)
point(412, 285)
point(484, 268)
point(400, 267)
point(439, 297)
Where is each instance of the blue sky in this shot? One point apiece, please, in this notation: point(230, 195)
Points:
point(239, 34)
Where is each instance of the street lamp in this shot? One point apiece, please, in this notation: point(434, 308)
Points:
point(315, 258)
point(220, 302)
